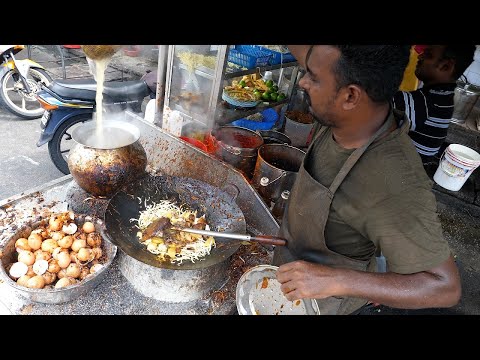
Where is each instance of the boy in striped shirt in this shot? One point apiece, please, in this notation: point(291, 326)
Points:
point(430, 108)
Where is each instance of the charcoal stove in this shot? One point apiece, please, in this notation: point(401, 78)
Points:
point(166, 154)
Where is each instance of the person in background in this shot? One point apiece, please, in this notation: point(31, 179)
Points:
point(362, 187)
point(409, 80)
point(431, 107)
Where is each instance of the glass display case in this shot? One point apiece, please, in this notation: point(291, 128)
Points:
point(196, 76)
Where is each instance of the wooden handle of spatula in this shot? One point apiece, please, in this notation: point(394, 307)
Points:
point(269, 240)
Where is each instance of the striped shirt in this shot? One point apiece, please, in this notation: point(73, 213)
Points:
point(429, 110)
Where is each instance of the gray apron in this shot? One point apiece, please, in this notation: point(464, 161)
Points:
point(304, 225)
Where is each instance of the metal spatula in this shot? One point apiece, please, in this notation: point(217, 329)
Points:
point(263, 239)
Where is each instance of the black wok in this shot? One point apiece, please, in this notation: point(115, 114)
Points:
point(221, 212)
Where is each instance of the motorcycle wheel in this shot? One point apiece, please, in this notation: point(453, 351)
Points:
point(18, 102)
point(62, 142)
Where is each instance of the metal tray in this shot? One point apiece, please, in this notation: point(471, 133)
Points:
point(258, 293)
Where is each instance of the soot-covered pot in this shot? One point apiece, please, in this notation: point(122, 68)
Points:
point(102, 162)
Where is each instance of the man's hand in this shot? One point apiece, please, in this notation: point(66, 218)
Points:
point(304, 280)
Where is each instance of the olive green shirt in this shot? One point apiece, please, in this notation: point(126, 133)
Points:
point(385, 201)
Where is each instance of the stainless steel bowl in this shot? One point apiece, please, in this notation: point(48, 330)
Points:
point(54, 296)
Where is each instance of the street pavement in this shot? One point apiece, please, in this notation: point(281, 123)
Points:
point(23, 165)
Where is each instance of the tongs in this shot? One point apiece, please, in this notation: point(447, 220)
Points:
point(263, 239)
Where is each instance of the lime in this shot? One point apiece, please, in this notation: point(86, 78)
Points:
point(274, 88)
point(257, 94)
point(281, 97)
point(266, 96)
point(273, 96)
point(269, 83)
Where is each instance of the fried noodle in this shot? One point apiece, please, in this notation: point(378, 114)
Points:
point(180, 246)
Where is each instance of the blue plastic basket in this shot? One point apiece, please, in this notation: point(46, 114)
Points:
point(277, 57)
point(248, 56)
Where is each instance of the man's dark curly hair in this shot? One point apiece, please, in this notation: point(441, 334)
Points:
point(378, 69)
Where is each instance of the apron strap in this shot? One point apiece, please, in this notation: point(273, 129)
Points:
point(353, 158)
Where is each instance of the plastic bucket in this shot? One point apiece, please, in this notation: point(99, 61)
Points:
point(456, 165)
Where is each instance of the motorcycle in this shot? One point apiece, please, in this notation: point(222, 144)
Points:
point(20, 80)
point(71, 102)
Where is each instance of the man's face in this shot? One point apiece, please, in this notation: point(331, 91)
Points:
point(429, 63)
point(320, 84)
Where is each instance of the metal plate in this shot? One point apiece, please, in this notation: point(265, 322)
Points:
point(258, 293)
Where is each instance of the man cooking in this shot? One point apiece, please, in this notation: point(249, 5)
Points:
point(362, 187)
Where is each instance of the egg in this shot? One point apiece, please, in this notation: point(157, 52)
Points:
point(88, 227)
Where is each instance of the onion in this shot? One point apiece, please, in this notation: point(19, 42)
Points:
point(73, 270)
point(88, 227)
point(66, 242)
point(26, 257)
point(94, 239)
point(78, 244)
point(42, 255)
point(57, 235)
point(40, 267)
point(49, 277)
point(85, 254)
point(22, 280)
point(36, 282)
point(49, 245)
point(63, 259)
point(70, 228)
point(22, 244)
point(62, 273)
point(53, 266)
point(35, 241)
point(18, 269)
point(55, 224)
point(42, 232)
point(63, 282)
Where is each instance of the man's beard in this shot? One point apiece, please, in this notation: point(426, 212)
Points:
point(318, 119)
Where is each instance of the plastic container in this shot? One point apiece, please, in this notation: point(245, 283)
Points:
point(466, 95)
point(248, 56)
point(456, 165)
point(276, 56)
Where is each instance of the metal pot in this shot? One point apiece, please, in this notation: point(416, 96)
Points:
point(238, 146)
point(163, 280)
point(102, 169)
point(274, 137)
point(466, 95)
point(280, 164)
point(54, 296)
point(297, 132)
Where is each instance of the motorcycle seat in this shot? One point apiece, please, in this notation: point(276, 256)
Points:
point(86, 89)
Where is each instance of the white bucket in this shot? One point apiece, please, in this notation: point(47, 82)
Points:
point(456, 165)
